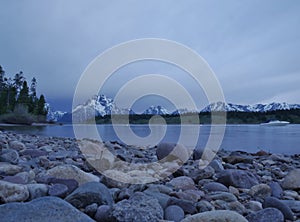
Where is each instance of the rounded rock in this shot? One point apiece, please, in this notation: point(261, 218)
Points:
point(174, 213)
point(217, 215)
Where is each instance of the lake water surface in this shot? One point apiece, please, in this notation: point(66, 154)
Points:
point(250, 138)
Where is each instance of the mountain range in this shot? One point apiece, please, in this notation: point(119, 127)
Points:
point(102, 105)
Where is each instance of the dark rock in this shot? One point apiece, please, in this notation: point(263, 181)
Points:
point(204, 205)
point(276, 190)
point(188, 206)
point(91, 209)
point(294, 205)
point(41, 209)
point(139, 207)
point(227, 197)
point(10, 156)
point(214, 186)
point(237, 178)
point(200, 174)
point(104, 214)
point(174, 213)
point(161, 197)
point(58, 190)
point(34, 153)
point(92, 192)
point(70, 183)
point(14, 179)
point(172, 152)
point(266, 215)
point(275, 203)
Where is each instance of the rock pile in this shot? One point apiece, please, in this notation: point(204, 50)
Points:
point(48, 177)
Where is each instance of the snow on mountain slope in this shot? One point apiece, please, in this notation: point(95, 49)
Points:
point(220, 106)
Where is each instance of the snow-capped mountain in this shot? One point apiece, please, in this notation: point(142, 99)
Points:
point(220, 106)
point(156, 110)
point(53, 115)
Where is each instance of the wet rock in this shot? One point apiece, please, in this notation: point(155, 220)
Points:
point(275, 203)
point(58, 190)
point(172, 151)
point(10, 192)
point(237, 178)
point(188, 206)
point(92, 192)
point(291, 181)
point(214, 186)
point(9, 169)
point(174, 213)
point(104, 214)
point(266, 215)
point(218, 215)
point(10, 156)
point(182, 183)
point(37, 190)
point(140, 207)
point(41, 209)
point(260, 191)
point(72, 172)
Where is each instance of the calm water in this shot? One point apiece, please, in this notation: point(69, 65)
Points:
point(250, 138)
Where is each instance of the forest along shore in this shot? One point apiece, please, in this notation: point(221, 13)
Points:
point(48, 177)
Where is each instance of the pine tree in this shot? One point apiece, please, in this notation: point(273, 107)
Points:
point(32, 96)
point(41, 110)
point(23, 97)
point(18, 81)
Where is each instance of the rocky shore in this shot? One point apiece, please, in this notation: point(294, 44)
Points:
point(49, 179)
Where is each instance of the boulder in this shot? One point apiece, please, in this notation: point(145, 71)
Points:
point(9, 169)
point(10, 156)
point(72, 172)
point(182, 183)
point(291, 181)
point(172, 152)
point(41, 209)
point(92, 192)
point(237, 178)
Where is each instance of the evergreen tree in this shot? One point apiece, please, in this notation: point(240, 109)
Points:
point(41, 110)
point(32, 96)
point(23, 97)
point(18, 81)
point(2, 83)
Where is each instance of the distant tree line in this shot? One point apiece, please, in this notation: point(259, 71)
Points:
point(234, 117)
point(17, 97)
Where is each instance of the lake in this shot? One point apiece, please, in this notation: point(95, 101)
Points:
point(250, 138)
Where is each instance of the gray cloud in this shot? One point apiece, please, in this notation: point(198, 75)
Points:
point(252, 46)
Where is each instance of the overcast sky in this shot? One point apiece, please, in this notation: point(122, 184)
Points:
point(252, 46)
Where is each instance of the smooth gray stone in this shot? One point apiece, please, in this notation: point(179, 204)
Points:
point(42, 209)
